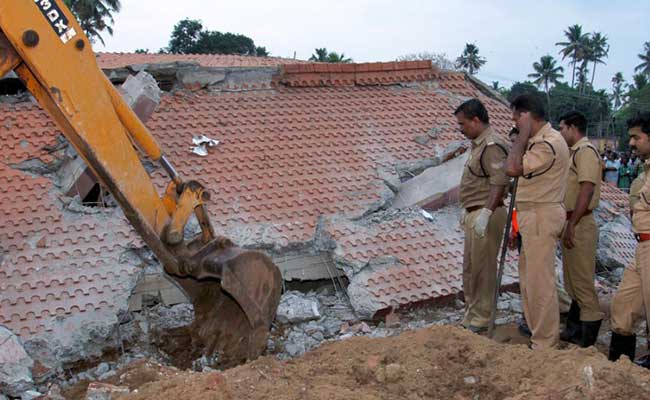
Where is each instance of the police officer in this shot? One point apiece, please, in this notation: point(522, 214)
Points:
point(580, 237)
point(540, 157)
point(482, 189)
point(632, 300)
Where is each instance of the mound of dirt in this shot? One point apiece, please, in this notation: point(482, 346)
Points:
point(440, 362)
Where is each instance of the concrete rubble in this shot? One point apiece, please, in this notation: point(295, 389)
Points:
point(104, 391)
point(304, 320)
point(295, 308)
point(15, 365)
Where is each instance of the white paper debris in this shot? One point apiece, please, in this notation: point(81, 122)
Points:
point(201, 144)
point(426, 215)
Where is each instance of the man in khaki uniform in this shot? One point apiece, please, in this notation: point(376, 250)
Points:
point(482, 189)
point(540, 157)
point(581, 233)
point(632, 300)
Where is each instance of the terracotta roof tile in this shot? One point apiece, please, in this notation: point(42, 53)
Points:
point(427, 258)
point(118, 60)
point(287, 157)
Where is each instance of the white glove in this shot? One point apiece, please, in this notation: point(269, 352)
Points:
point(481, 221)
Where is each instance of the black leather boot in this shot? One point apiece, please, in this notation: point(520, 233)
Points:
point(523, 328)
point(622, 345)
point(589, 333)
point(572, 331)
point(644, 361)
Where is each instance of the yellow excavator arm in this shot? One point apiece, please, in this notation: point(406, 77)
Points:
point(235, 292)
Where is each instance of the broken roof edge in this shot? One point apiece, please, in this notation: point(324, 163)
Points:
point(194, 76)
point(355, 74)
point(112, 60)
point(487, 90)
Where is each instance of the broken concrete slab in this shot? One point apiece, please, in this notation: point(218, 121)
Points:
point(296, 307)
point(15, 365)
point(408, 169)
point(142, 94)
point(105, 391)
point(616, 245)
point(307, 267)
point(30, 395)
point(362, 298)
point(199, 78)
point(433, 184)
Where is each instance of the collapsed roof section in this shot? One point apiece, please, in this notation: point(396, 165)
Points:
point(310, 160)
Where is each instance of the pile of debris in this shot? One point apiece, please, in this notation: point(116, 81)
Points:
point(344, 196)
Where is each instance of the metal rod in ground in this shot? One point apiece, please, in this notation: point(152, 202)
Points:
point(502, 260)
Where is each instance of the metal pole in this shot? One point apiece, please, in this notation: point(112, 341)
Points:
point(502, 261)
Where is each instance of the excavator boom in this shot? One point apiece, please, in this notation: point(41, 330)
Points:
point(235, 292)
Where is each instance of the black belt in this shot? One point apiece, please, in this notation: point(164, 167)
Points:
point(642, 237)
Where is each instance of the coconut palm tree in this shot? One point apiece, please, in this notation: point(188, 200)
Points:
point(546, 72)
point(573, 47)
point(319, 55)
point(470, 59)
point(322, 55)
point(95, 16)
point(640, 81)
point(644, 67)
point(334, 57)
point(599, 51)
point(617, 90)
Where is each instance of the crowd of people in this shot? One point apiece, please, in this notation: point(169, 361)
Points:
point(621, 169)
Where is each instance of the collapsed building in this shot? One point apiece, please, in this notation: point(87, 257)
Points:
point(340, 172)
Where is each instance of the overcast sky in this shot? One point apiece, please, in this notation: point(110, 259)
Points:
point(511, 35)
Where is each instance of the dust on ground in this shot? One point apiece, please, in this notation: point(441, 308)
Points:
point(431, 363)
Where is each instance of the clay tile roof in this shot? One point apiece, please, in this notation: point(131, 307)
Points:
point(288, 157)
point(119, 60)
point(382, 73)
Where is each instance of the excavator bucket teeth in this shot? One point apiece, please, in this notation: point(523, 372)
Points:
point(232, 316)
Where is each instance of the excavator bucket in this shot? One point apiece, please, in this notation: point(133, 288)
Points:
point(233, 315)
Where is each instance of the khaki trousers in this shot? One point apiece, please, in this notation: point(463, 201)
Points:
point(579, 267)
point(540, 227)
point(632, 299)
point(480, 267)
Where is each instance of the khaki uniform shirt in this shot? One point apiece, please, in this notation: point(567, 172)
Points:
point(546, 166)
point(635, 187)
point(641, 208)
point(485, 167)
point(586, 166)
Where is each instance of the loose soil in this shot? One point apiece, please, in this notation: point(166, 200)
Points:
point(440, 362)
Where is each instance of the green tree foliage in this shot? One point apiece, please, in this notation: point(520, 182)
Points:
point(640, 81)
point(189, 37)
point(141, 51)
point(95, 16)
point(599, 50)
point(470, 60)
point(573, 47)
point(546, 73)
point(519, 88)
point(638, 101)
point(644, 67)
point(261, 51)
point(322, 55)
point(617, 96)
point(594, 105)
